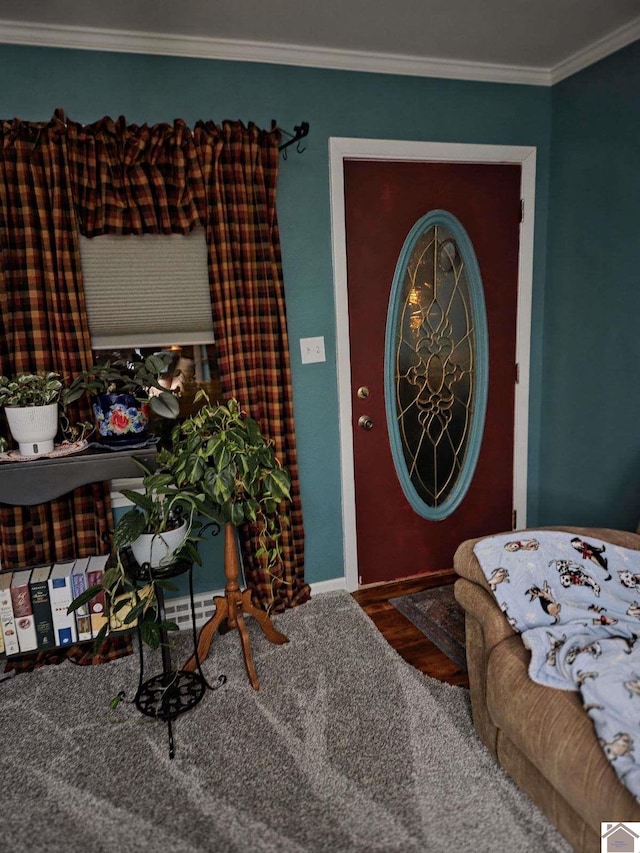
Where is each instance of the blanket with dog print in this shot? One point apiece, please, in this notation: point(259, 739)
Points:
point(576, 603)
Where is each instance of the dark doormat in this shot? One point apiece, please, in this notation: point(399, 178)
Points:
point(440, 618)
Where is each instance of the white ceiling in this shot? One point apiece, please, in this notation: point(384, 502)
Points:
point(530, 41)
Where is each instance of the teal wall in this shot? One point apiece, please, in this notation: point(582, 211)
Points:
point(89, 85)
point(590, 433)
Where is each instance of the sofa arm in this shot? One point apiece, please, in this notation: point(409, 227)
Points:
point(481, 605)
point(475, 602)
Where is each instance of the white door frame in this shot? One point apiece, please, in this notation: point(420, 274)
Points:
point(341, 148)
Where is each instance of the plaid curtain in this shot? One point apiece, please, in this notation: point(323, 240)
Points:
point(130, 179)
point(43, 325)
point(240, 169)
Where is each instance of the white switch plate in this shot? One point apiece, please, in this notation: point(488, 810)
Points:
point(312, 350)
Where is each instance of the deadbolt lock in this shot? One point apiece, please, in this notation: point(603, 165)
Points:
point(363, 392)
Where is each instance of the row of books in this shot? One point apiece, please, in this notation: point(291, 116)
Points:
point(34, 603)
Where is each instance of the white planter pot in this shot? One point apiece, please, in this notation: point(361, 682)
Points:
point(33, 427)
point(158, 549)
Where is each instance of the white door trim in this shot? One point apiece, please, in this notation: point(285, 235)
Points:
point(341, 148)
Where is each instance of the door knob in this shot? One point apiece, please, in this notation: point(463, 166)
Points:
point(365, 422)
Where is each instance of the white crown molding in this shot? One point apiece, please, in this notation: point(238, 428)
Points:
point(125, 41)
point(600, 49)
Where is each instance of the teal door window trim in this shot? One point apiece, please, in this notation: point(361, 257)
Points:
point(479, 376)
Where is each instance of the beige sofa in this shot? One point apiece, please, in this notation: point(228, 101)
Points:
point(541, 736)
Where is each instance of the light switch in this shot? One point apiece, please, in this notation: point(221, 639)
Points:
point(312, 350)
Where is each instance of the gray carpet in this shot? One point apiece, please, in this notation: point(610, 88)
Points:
point(344, 748)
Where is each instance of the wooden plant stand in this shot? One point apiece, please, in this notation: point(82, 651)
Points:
point(230, 610)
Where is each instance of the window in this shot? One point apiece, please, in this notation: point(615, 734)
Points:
point(147, 290)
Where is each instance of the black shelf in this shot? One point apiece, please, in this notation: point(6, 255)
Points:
point(42, 480)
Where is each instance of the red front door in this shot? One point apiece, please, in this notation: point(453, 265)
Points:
point(383, 201)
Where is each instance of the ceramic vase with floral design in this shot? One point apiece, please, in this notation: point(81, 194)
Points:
point(121, 419)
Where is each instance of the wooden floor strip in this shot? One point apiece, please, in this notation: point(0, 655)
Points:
point(402, 634)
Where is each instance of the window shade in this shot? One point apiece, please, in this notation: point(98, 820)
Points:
point(147, 290)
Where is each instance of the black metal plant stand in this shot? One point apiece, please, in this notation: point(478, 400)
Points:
point(172, 692)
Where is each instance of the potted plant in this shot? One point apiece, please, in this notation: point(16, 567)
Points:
point(219, 467)
point(123, 393)
point(220, 454)
point(31, 402)
point(148, 540)
point(159, 525)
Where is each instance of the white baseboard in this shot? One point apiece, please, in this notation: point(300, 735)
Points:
point(328, 586)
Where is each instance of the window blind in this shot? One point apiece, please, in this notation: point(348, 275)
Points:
point(147, 290)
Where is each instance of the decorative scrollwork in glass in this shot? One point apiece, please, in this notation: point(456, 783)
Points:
point(436, 365)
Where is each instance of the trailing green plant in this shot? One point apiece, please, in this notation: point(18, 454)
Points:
point(221, 454)
point(158, 507)
point(138, 377)
point(31, 389)
point(130, 601)
point(219, 467)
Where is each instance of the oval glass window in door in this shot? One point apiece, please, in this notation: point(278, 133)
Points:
point(436, 365)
